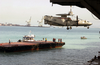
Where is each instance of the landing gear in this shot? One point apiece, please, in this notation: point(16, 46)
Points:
point(70, 27)
point(88, 27)
point(67, 28)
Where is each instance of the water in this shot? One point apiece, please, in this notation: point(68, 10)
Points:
point(75, 52)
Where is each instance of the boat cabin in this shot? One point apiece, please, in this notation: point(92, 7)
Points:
point(28, 38)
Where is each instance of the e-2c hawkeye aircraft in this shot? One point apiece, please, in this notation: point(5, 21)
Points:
point(65, 20)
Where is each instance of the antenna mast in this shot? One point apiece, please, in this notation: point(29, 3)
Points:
point(70, 12)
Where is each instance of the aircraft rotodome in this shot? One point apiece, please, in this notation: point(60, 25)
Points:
point(66, 20)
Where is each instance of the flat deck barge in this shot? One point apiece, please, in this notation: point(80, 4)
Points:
point(29, 45)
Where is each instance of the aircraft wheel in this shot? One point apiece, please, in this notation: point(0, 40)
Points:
point(88, 27)
point(67, 28)
point(70, 27)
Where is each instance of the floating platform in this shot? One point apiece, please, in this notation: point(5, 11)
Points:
point(29, 45)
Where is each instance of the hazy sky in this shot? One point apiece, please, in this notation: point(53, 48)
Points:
point(19, 11)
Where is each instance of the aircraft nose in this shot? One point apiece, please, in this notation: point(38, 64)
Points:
point(90, 23)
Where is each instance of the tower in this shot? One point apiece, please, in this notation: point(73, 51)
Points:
point(40, 22)
point(28, 22)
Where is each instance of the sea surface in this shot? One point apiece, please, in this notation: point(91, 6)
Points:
point(76, 51)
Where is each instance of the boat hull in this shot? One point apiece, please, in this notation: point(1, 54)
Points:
point(26, 46)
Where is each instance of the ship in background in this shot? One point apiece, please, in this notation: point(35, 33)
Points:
point(66, 20)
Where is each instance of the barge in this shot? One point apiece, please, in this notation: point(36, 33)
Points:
point(28, 43)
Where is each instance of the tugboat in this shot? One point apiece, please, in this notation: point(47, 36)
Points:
point(83, 37)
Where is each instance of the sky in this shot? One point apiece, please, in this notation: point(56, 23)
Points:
point(19, 11)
